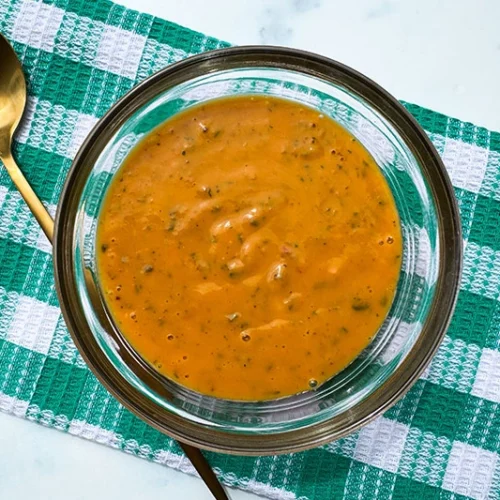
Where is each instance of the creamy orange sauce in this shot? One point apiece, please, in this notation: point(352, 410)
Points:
point(249, 248)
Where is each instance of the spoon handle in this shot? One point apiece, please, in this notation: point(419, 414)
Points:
point(35, 205)
point(205, 471)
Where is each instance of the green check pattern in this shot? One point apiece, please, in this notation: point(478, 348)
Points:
point(441, 441)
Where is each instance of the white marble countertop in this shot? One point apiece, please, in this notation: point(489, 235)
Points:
point(443, 55)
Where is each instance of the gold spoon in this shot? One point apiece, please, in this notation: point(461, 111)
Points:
point(12, 104)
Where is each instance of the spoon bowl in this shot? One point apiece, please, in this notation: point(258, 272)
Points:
point(12, 95)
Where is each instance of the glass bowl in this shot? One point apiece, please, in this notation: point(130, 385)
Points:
point(426, 291)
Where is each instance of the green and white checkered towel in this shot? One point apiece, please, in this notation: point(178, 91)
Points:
point(442, 440)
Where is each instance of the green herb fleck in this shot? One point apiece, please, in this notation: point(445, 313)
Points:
point(320, 284)
point(359, 304)
point(171, 225)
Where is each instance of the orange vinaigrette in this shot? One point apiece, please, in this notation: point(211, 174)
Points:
point(249, 248)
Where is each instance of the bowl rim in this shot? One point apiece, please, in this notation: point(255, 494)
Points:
point(438, 318)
